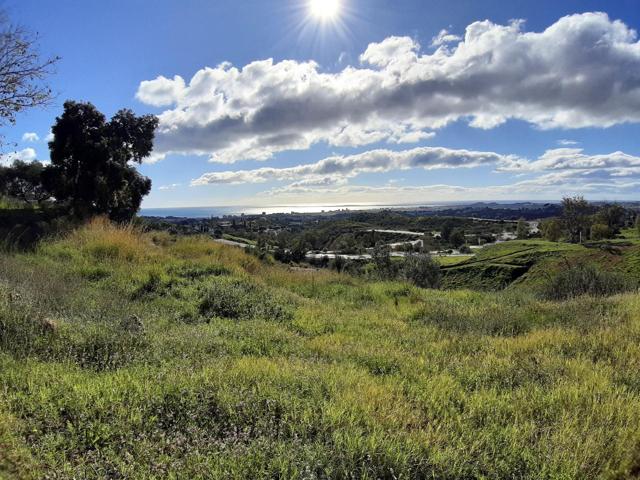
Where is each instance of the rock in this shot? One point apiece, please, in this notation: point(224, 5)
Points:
point(48, 325)
point(14, 297)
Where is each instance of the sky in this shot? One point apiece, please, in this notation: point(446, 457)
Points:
point(288, 102)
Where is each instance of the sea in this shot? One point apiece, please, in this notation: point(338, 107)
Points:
point(206, 212)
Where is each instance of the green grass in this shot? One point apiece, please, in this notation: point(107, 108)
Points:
point(243, 369)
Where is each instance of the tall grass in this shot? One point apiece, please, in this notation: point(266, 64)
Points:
point(243, 369)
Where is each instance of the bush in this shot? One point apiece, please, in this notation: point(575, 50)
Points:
point(421, 270)
point(465, 249)
point(551, 229)
point(385, 268)
point(584, 279)
point(600, 231)
point(242, 300)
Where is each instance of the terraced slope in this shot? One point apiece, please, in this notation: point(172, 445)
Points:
point(529, 263)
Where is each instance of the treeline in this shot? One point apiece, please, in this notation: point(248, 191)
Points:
point(355, 236)
point(581, 221)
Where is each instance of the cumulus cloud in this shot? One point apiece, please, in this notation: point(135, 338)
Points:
point(582, 71)
point(574, 159)
point(545, 188)
point(566, 170)
point(30, 137)
point(352, 165)
point(160, 92)
point(26, 155)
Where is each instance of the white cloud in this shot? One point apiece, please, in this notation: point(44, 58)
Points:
point(543, 188)
point(26, 155)
point(161, 92)
point(579, 72)
point(567, 143)
point(444, 37)
point(562, 170)
point(49, 137)
point(30, 137)
point(172, 186)
point(352, 165)
point(574, 159)
point(154, 158)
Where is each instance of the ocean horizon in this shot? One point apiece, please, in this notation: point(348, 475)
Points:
point(220, 211)
point(214, 211)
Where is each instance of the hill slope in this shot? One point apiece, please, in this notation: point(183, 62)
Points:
point(144, 356)
point(529, 263)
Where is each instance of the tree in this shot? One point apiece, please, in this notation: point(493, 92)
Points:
point(551, 229)
point(23, 180)
point(575, 214)
point(421, 270)
point(90, 160)
point(457, 238)
point(522, 229)
point(446, 230)
point(299, 250)
point(613, 216)
point(428, 242)
point(22, 72)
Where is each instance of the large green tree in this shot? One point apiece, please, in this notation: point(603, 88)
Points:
point(91, 160)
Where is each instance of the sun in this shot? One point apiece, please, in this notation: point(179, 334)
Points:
point(324, 9)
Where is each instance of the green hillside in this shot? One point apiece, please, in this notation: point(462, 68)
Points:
point(529, 263)
point(128, 355)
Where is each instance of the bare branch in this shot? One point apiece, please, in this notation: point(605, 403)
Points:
point(22, 72)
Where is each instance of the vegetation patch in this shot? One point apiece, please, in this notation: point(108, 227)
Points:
point(585, 279)
point(513, 314)
point(282, 372)
point(240, 300)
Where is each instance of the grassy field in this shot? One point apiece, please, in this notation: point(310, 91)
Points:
point(127, 355)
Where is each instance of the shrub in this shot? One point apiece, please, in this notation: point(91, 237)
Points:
point(522, 229)
point(600, 231)
point(584, 279)
point(421, 270)
point(381, 256)
point(465, 249)
point(241, 300)
point(551, 229)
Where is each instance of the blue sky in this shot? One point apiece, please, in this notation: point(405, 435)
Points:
point(393, 109)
